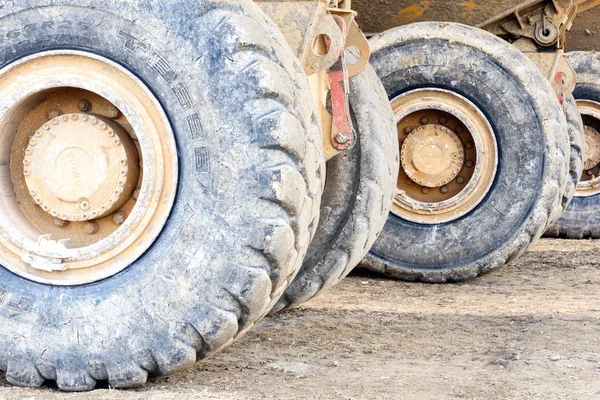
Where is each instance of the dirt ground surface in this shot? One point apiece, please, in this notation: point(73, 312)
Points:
point(528, 331)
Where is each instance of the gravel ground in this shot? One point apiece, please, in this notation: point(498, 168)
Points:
point(528, 331)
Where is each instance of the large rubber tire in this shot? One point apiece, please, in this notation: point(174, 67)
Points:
point(531, 135)
point(581, 219)
point(577, 140)
point(358, 194)
point(240, 225)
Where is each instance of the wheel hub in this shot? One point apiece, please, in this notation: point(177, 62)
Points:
point(79, 167)
point(432, 155)
point(448, 156)
point(589, 183)
point(90, 168)
point(592, 153)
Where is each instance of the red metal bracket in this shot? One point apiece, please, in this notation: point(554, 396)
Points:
point(342, 132)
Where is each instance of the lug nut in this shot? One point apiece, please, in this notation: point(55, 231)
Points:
point(54, 113)
point(589, 172)
point(469, 145)
point(444, 189)
point(408, 129)
point(90, 227)
point(113, 112)
point(424, 121)
point(341, 138)
point(84, 105)
point(469, 164)
point(84, 205)
point(61, 223)
point(459, 129)
point(119, 217)
point(460, 180)
point(425, 190)
point(443, 120)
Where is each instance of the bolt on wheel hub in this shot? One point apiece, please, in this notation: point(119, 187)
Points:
point(432, 155)
point(79, 167)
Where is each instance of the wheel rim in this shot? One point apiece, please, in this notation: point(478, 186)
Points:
point(589, 184)
point(90, 168)
point(448, 154)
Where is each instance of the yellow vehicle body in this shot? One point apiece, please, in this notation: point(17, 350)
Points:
point(376, 16)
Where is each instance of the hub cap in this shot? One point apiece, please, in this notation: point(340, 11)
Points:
point(79, 167)
point(432, 155)
point(448, 156)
